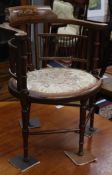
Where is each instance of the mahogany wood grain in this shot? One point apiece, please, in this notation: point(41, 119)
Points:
point(49, 148)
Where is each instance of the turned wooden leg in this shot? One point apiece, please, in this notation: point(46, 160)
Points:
point(25, 130)
point(81, 157)
point(92, 112)
point(90, 130)
point(82, 126)
point(25, 161)
point(33, 122)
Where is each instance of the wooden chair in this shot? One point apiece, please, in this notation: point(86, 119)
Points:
point(31, 83)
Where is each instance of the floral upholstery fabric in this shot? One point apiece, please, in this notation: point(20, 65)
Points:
point(59, 82)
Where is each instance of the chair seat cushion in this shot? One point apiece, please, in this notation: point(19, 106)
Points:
point(59, 82)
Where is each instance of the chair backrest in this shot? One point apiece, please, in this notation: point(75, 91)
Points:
point(79, 48)
point(80, 7)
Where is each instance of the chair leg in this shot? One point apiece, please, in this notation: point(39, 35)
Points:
point(82, 157)
point(92, 121)
point(93, 107)
point(32, 122)
point(24, 162)
point(25, 130)
point(82, 127)
point(90, 130)
point(92, 113)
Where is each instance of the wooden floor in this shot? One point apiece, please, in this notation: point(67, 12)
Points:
point(49, 149)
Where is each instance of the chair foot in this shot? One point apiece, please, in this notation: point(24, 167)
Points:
point(80, 160)
point(89, 131)
point(22, 165)
point(33, 123)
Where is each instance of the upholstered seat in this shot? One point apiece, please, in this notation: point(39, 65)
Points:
point(59, 82)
